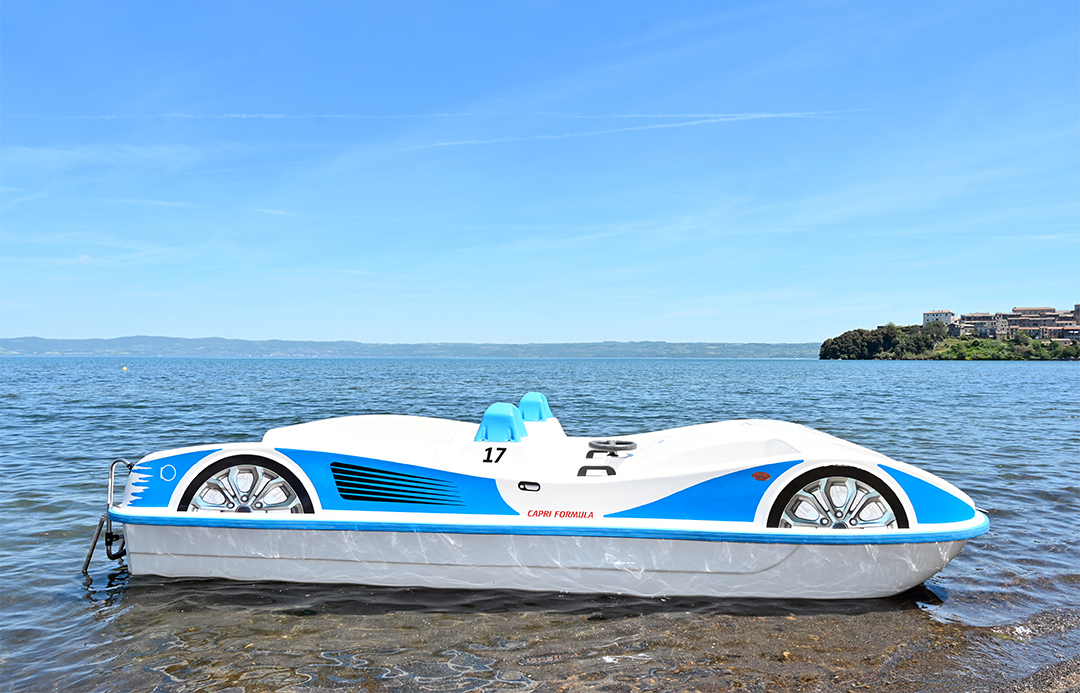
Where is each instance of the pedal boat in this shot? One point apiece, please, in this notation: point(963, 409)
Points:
point(747, 508)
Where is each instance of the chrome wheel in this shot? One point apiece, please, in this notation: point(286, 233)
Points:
point(245, 488)
point(838, 502)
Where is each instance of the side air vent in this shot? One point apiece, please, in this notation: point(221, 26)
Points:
point(367, 484)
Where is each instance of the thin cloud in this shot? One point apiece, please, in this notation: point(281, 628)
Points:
point(656, 126)
point(240, 116)
point(323, 270)
point(1021, 237)
point(678, 29)
point(57, 158)
point(115, 259)
point(158, 203)
point(276, 212)
point(391, 116)
point(732, 116)
point(15, 201)
point(328, 271)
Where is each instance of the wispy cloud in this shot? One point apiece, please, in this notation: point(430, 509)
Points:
point(102, 155)
point(276, 212)
point(390, 116)
point(323, 270)
point(15, 201)
point(678, 29)
point(238, 116)
point(1037, 237)
point(724, 118)
point(103, 256)
point(158, 203)
point(690, 313)
point(96, 245)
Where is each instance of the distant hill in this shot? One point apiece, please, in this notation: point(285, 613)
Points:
point(218, 347)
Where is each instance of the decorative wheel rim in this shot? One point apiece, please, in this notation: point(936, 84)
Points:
point(838, 502)
point(246, 488)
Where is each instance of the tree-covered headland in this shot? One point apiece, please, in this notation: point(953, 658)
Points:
point(931, 342)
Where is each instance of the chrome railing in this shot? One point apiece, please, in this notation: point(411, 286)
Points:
point(106, 522)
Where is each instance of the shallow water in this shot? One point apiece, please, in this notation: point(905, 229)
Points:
point(1007, 433)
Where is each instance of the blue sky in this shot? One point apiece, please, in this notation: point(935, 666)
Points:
point(533, 171)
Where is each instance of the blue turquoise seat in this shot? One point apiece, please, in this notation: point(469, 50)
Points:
point(502, 423)
point(534, 407)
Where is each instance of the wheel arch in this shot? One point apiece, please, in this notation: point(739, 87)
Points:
point(773, 503)
point(270, 459)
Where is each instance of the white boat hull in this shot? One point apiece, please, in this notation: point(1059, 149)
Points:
point(646, 567)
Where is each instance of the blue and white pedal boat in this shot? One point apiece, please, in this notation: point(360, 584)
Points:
point(747, 508)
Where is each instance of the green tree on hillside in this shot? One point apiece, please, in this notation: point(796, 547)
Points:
point(886, 342)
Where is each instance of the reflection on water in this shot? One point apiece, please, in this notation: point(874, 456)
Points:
point(218, 635)
point(1008, 434)
point(156, 594)
point(213, 635)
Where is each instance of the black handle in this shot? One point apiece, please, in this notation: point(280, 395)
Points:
point(584, 471)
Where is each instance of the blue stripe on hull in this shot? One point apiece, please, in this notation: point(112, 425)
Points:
point(733, 497)
point(932, 505)
point(407, 488)
point(161, 475)
point(779, 537)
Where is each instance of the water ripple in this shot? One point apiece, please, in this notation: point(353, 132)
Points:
point(1007, 433)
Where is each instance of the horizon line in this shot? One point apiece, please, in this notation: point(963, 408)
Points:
point(353, 341)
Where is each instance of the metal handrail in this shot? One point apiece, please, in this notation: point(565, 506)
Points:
point(106, 521)
point(112, 472)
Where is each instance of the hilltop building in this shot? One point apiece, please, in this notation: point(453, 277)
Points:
point(1037, 322)
point(946, 316)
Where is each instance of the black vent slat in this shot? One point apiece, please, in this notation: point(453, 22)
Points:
point(368, 478)
point(410, 480)
point(384, 498)
point(358, 483)
point(382, 472)
point(403, 479)
point(368, 488)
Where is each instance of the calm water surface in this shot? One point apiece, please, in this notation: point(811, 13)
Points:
point(1007, 433)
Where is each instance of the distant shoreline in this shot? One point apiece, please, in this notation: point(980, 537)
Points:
point(216, 347)
point(930, 342)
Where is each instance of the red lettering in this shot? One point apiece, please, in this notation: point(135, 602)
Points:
point(562, 514)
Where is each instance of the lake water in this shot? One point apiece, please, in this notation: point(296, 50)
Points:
point(1007, 433)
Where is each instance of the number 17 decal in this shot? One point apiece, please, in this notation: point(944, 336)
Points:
point(499, 452)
